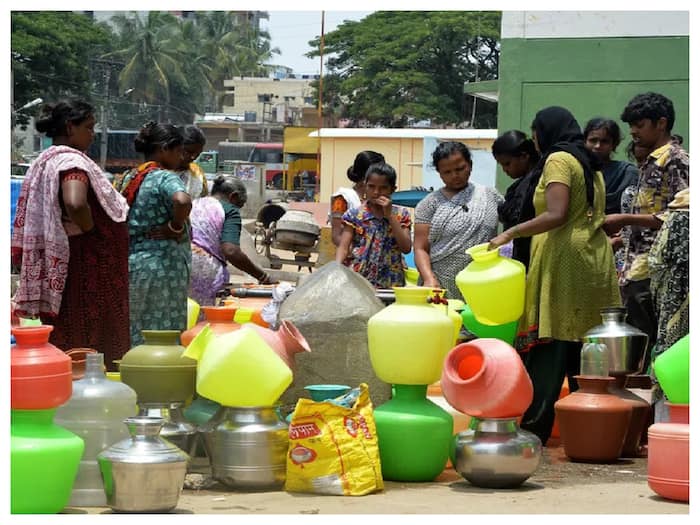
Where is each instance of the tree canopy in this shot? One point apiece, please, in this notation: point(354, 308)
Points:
point(155, 67)
point(395, 67)
point(50, 52)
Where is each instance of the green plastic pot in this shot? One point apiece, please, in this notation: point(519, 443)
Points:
point(44, 462)
point(414, 435)
point(504, 332)
point(672, 369)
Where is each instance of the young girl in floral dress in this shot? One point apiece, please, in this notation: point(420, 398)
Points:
point(376, 234)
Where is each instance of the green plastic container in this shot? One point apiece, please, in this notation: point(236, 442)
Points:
point(44, 462)
point(504, 332)
point(414, 435)
point(672, 369)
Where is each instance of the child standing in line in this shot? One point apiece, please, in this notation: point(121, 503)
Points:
point(376, 234)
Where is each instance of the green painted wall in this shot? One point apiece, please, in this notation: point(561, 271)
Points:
point(591, 77)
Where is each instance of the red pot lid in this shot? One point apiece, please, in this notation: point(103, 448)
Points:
point(41, 374)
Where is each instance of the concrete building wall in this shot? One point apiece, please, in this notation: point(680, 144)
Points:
point(285, 95)
point(402, 148)
point(592, 63)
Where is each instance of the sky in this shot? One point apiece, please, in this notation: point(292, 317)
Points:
point(291, 31)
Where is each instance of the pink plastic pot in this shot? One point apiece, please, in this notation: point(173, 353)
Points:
point(486, 378)
point(286, 341)
point(668, 459)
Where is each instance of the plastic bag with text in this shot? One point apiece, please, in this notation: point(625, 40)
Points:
point(332, 449)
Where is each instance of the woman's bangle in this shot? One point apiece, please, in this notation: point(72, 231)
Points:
point(174, 230)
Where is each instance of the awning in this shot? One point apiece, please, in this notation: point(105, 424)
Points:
point(297, 140)
point(486, 89)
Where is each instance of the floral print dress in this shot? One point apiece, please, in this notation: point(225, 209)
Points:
point(374, 253)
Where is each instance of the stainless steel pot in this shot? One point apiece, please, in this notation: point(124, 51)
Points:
point(143, 473)
point(247, 447)
point(176, 428)
point(496, 453)
point(627, 345)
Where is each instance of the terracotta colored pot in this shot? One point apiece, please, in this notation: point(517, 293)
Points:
point(286, 341)
point(219, 319)
point(78, 358)
point(486, 378)
point(40, 373)
point(669, 459)
point(638, 421)
point(592, 421)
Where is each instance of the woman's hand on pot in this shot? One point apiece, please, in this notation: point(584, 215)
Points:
point(500, 240)
point(431, 282)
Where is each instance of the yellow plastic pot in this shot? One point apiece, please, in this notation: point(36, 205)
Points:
point(192, 312)
point(493, 286)
point(238, 368)
point(451, 310)
point(408, 340)
point(412, 276)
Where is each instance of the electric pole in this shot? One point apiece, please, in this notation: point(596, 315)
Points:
point(101, 71)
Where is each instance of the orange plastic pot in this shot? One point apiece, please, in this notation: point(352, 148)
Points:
point(219, 319)
point(486, 378)
point(78, 358)
point(41, 374)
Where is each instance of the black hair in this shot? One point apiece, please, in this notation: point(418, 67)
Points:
point(154, 135)
point(515, 143)
point(384, 170)
point(228, 184)
point(677, 139)
point(193, 135)
point(652, 106)
point(447, 149)
point(54, 117)
point(610, 127)
point(363, 160)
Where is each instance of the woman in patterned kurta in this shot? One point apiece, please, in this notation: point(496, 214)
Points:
point(453, 218)
point(159, 247)
point(376, 234)
point(669, 270)
point(572, 273)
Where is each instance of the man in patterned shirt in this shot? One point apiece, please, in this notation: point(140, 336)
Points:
point(664, 173)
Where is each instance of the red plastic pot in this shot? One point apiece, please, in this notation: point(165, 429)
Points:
point(41, 374)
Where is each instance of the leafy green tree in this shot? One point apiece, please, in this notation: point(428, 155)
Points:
point(393, 67)
point(50, 55)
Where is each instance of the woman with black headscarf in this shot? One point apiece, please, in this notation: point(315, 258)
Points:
point(572, 274)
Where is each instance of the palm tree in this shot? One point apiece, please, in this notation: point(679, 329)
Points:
point(154, 62)
point(233, 47)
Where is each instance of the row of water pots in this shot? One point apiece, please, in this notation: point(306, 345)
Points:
point(46, 457)
point(411, 346)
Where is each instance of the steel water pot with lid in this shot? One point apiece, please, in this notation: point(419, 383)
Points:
point(143, 473)
point(626, 344)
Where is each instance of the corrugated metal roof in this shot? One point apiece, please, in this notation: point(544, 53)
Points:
point(406, 133)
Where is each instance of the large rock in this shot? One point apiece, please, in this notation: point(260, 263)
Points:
point(331, 308)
